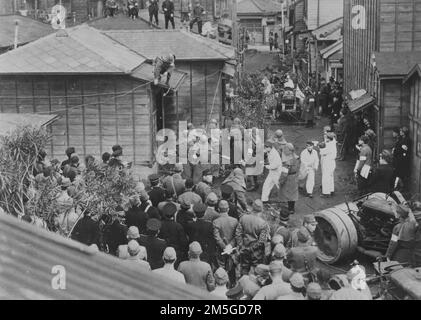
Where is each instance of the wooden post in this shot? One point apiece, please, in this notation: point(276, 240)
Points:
point(16, 34)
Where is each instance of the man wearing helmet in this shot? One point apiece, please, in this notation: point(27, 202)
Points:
point(162, 65)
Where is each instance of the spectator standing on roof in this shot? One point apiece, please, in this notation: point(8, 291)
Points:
point(185, 12)
point(168, 8)
point(153, 11)
point(198, 12)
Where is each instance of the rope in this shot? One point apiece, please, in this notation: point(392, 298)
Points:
point(214, 98)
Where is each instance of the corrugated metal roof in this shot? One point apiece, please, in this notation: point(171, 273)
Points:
point(185, 45)
point(29, 30)
point(329, 31)
point(145, 72)
point(396, 63)
point(80, 49)
point(28, 254)
point(361, 103)
point(10, 121)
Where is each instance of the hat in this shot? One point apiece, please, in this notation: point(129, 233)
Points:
point(169, 254)
point(133, 232)
point(184, 203)
point(314, 291)
point(143, 195)
point(262, 270)
point(297, 280)
point(226, 190)
point(303, 235)
point(116, 147)
point(235, 293)
point(65, 182)
point(276, 239)
point(221, 276)
point(279, 252)
point(169, 210)
point(276, 266)
point(257, 205)
point(310, 143)
point(178, 167)
point(212, 198)
point(268, 144)
point(223, 204)
point(199, 209)
point(153, 178)
point(195, 248)
point(133, 247)
point(153, 224)
point(279, 133)
point(309, 218)
point(117, 153)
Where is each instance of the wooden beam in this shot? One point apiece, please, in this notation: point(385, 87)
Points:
point(67, 114)
point(206, 93)
point(100, 122)
point(191, 92)
point(133, 122)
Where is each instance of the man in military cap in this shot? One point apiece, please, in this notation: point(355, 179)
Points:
point(196, 272)
point(302, 259)
point(279, 254)
point(185, 214)
point(314, 291)
point(211, 213)
point(227, 195)
point(235, 293)
point(170, 257)
point(201, 230)
point(204, 187)
point(175, 183)
point(224, 233)
point(306, 231)
point(279, 142)
point(173, 233)
point(115, 231)
point(251, 284)
point(251, 234)
point(156, 194)
point(154, 246)
point(221, 280)
point(403, 236)
point(298, 288)
point(277, 288)
point(308, 167)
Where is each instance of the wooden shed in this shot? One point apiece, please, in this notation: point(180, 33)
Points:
point(207, 63)
point(101, 89)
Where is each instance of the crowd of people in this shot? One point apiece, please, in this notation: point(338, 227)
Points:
point(190, 13)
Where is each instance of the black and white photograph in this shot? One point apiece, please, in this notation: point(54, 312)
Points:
point(210, 154)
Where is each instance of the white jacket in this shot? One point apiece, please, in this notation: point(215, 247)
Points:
point(309, 161)
point(330, 152)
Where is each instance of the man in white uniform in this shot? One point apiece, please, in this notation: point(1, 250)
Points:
point(328, 164)
point(309, 165)
point(275, 169)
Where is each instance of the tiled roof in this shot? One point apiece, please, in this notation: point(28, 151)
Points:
point(10, 121)
point(258, 7)
point(145, 72)
point(80, 49)
point(329, 31)
point(29, 256)
point(119, 22)
point(396, 63)
point(185, 45)
point(29, 30)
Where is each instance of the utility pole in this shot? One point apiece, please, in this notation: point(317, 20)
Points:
point(16, 41)
point(234, 38)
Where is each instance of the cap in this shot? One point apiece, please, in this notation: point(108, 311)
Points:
point(277, 238)
point(235, 293)
point(303, 235)
point(279, 252)
point(169, 210)
point(153, 224)
point(309, 218)
point(195, 248)
point(184, 203)
point(226, 190)
point(153, 178)
point(178, 167)
point(212, 198)
point(279, 133)
point(310, 143)
point(221, 276)
point(199, 209)
point(169, 254)
point(262, 270)
point(297, 280)
point(257, 205)
point(143, 195)
point(314, 291)
point(133, 232)
point(268, 144)
point(275, 266)
point(223, 204)
point(133, 247)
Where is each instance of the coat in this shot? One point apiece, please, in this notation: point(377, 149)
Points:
point(174, 184)
point(156, 195)
point(289, 190)
point(308, 108)
point(224, 231)
point(309, 161)
point(382, 179)
point(114, 236)
point(402, 241)
point(86, 231)
point(203, 189)
point(173, 233)
point(198, 273)
point(168, 7)
point(273, 291)
point(184, 217)
point(202, 232)
point(135, 216)
point(155, 249)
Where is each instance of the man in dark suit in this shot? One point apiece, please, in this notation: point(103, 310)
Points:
point(154, 246)
point(168, 8)
point(201, 231)
point(135, 216)
point(115, 234)
point(382, 178)
point(156, 194)
point(86, 230)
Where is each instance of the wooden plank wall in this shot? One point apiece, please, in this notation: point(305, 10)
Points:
point(400, 25)
point(196, 94)
point(107, 116)
point(358, 46)
point(391, 104)
point(320, 12)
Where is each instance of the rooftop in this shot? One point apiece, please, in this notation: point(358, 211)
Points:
point(29, 30)
point(329, 31)
point(119, 22)
point(10, 121)
point(333, 49)
point(264, 7)
point(80, 49)
point(396, 63)
point(185, 45)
